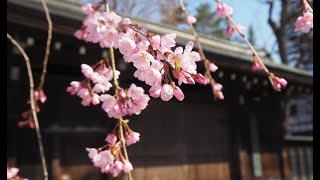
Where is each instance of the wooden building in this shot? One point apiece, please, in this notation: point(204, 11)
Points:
point(252, 134)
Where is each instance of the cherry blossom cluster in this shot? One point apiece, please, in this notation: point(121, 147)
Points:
point(27, 118)
point(304, 22)
point(151, 54)
point(110, 158)
point(97, 82)
point(12, 174)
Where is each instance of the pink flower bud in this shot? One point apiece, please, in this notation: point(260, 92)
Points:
point(127, 166)
point(155, 90)
point(132, 138)
point(123, 94)
point(178, 93)
point(256, 66)
point(217, 87)
point(199, 78)
point(190, 80)
point(166, 92)
point(95, 99)
point(220, 95)
point(111, 138)
point(283, 82)
point(213, 67)
point(190, 19)
point(86, 70)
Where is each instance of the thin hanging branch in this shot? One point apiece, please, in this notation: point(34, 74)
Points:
point(47, 52)
point(272, 78)
point(204, 59)
point(116, 88)
point(33, 105)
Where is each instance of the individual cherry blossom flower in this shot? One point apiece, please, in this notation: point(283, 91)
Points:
point(112, 19)
point(132, 138)
point(116, 168)
point(304, 23)
point(152, 76)
point(155, 90)
point(223, 10)
point(111, 138)
point(185, 60)
point(87, 8)
point(141, 60)
point(155, 42)
point(95, 99)
point(127, 166)
point(92, 152)
point(74, 87)
point(167, 41)
point(220, 95)
point(12, 172)
point(86, 70)
point(190, 19)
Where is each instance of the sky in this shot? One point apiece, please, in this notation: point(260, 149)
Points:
point(250, 12)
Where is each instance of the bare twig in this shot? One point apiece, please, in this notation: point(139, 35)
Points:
point(47, 52)
point(33, 105)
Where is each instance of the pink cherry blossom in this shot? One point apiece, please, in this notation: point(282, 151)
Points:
point(217, 87)
point(304, 23)
point(152, 76)
point(12, 172)
point(111, 138)
point(155, 90)
point(95, 99)
point(112, 19)
point(87, 8)
point(167, 42)
point(141, 60)
point(86, 70)
point(132, 138)
point(116, 168)
point(190, 19)
point(92, 152)
point(213, 67)
point(155, 42)
point(127, 166)
point(74, 87)
point(220, 95)
point(199, 78)
point(166, 92)
point(223, 10)
point(256, 66)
